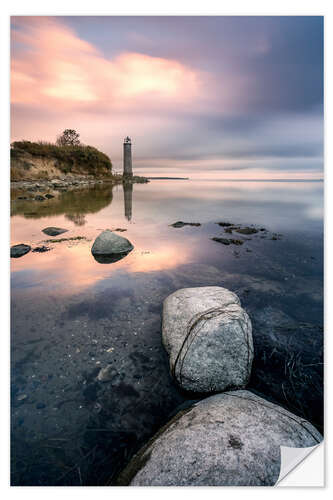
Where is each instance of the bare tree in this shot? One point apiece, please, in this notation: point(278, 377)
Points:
point(69, 137)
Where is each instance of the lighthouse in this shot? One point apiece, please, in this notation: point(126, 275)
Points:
point(128, 158)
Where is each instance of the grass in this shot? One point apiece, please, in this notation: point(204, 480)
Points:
point(85, 159)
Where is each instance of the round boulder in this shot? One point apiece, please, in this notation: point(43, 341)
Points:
point(110, 247)
point(229, 439)
point(208, 337)
point(19, 250)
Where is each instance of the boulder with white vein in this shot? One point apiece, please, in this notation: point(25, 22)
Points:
point(208, 337)
point(229, 439)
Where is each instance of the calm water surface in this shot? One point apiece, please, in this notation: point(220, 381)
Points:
point(72, 316)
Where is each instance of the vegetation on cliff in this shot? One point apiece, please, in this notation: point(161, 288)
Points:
point(46, 160)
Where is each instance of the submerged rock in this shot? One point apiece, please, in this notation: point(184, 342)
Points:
point(107, 374)
point(246, 230)
point(41, 249)
point(208, 337)
point(110, 247)
point(49, 196)
point(54, 231)
point(228, 241)
point(225, 224)
point(230, 439)
point(19, 250)
point(182, 224)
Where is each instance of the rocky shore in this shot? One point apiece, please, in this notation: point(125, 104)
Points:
point(70, 183)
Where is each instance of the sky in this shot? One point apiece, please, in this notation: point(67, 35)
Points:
point(204, 97)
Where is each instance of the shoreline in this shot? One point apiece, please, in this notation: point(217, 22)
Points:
point(73, 182)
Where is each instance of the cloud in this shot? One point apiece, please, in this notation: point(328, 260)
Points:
point(52, 67)
point(210, 94)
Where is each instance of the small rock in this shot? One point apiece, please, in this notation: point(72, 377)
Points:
point(19, 250)
point(49, 196)
point(227, 241)
point(41, 249)
point(246, 230)
point(40, 406)
point(97, 407)
point(182, 224)
point(224, 224)
point(107, 374)
point(21, 397)
point(54, 231)
point(40, 198)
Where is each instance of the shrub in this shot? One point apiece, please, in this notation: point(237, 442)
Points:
point(81, 158)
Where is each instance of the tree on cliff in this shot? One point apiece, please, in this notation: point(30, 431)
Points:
point(69, 137)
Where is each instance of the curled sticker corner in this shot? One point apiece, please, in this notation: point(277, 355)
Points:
point(291, 458)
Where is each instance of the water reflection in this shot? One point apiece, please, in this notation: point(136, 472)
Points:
point(281, 207)
point(73, 203)
point(128, 193)
point(71, 315)
point(78, 219)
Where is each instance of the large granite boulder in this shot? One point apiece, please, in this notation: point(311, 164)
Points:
point(229, 439)
point(110, 247)
point(208, 337)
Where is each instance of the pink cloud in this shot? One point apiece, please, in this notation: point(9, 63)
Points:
point(52, 67)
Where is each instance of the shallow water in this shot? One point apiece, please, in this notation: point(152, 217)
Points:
point(72, 315)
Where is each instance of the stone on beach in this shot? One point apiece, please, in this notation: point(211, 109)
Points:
point(19, 250)
point(54, 231)
point(229, 439)
point(109, 246)
point(208, 337)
